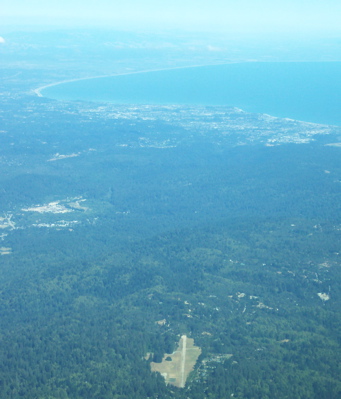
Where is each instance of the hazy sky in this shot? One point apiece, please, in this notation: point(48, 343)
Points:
point(249, 16)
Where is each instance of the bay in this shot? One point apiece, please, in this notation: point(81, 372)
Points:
point(306, 91)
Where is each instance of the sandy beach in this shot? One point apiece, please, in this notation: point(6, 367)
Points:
point(41, 88)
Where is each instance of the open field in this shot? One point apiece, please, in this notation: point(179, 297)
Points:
point(180, 363)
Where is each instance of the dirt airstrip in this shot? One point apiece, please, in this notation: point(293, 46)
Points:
point(179, 364)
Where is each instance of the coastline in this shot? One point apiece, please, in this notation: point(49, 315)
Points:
point(38, 90)
point(290, 114)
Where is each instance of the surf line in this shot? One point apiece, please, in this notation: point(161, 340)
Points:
point(38, 90)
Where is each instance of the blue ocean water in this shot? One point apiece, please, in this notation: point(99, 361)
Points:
point(307, 91)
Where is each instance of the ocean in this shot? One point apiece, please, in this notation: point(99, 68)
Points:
point(306, 91)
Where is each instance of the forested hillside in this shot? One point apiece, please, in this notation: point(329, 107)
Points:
point(123, 228)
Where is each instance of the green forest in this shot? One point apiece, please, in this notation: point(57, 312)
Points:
point(73, 328)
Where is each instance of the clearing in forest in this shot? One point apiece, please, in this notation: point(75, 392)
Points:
point(179, 364)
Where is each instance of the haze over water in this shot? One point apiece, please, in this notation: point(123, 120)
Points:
point(307, 91)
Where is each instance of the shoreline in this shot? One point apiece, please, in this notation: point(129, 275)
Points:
point(38, 90)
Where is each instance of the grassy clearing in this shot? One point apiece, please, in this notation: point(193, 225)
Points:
point(180, 363)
